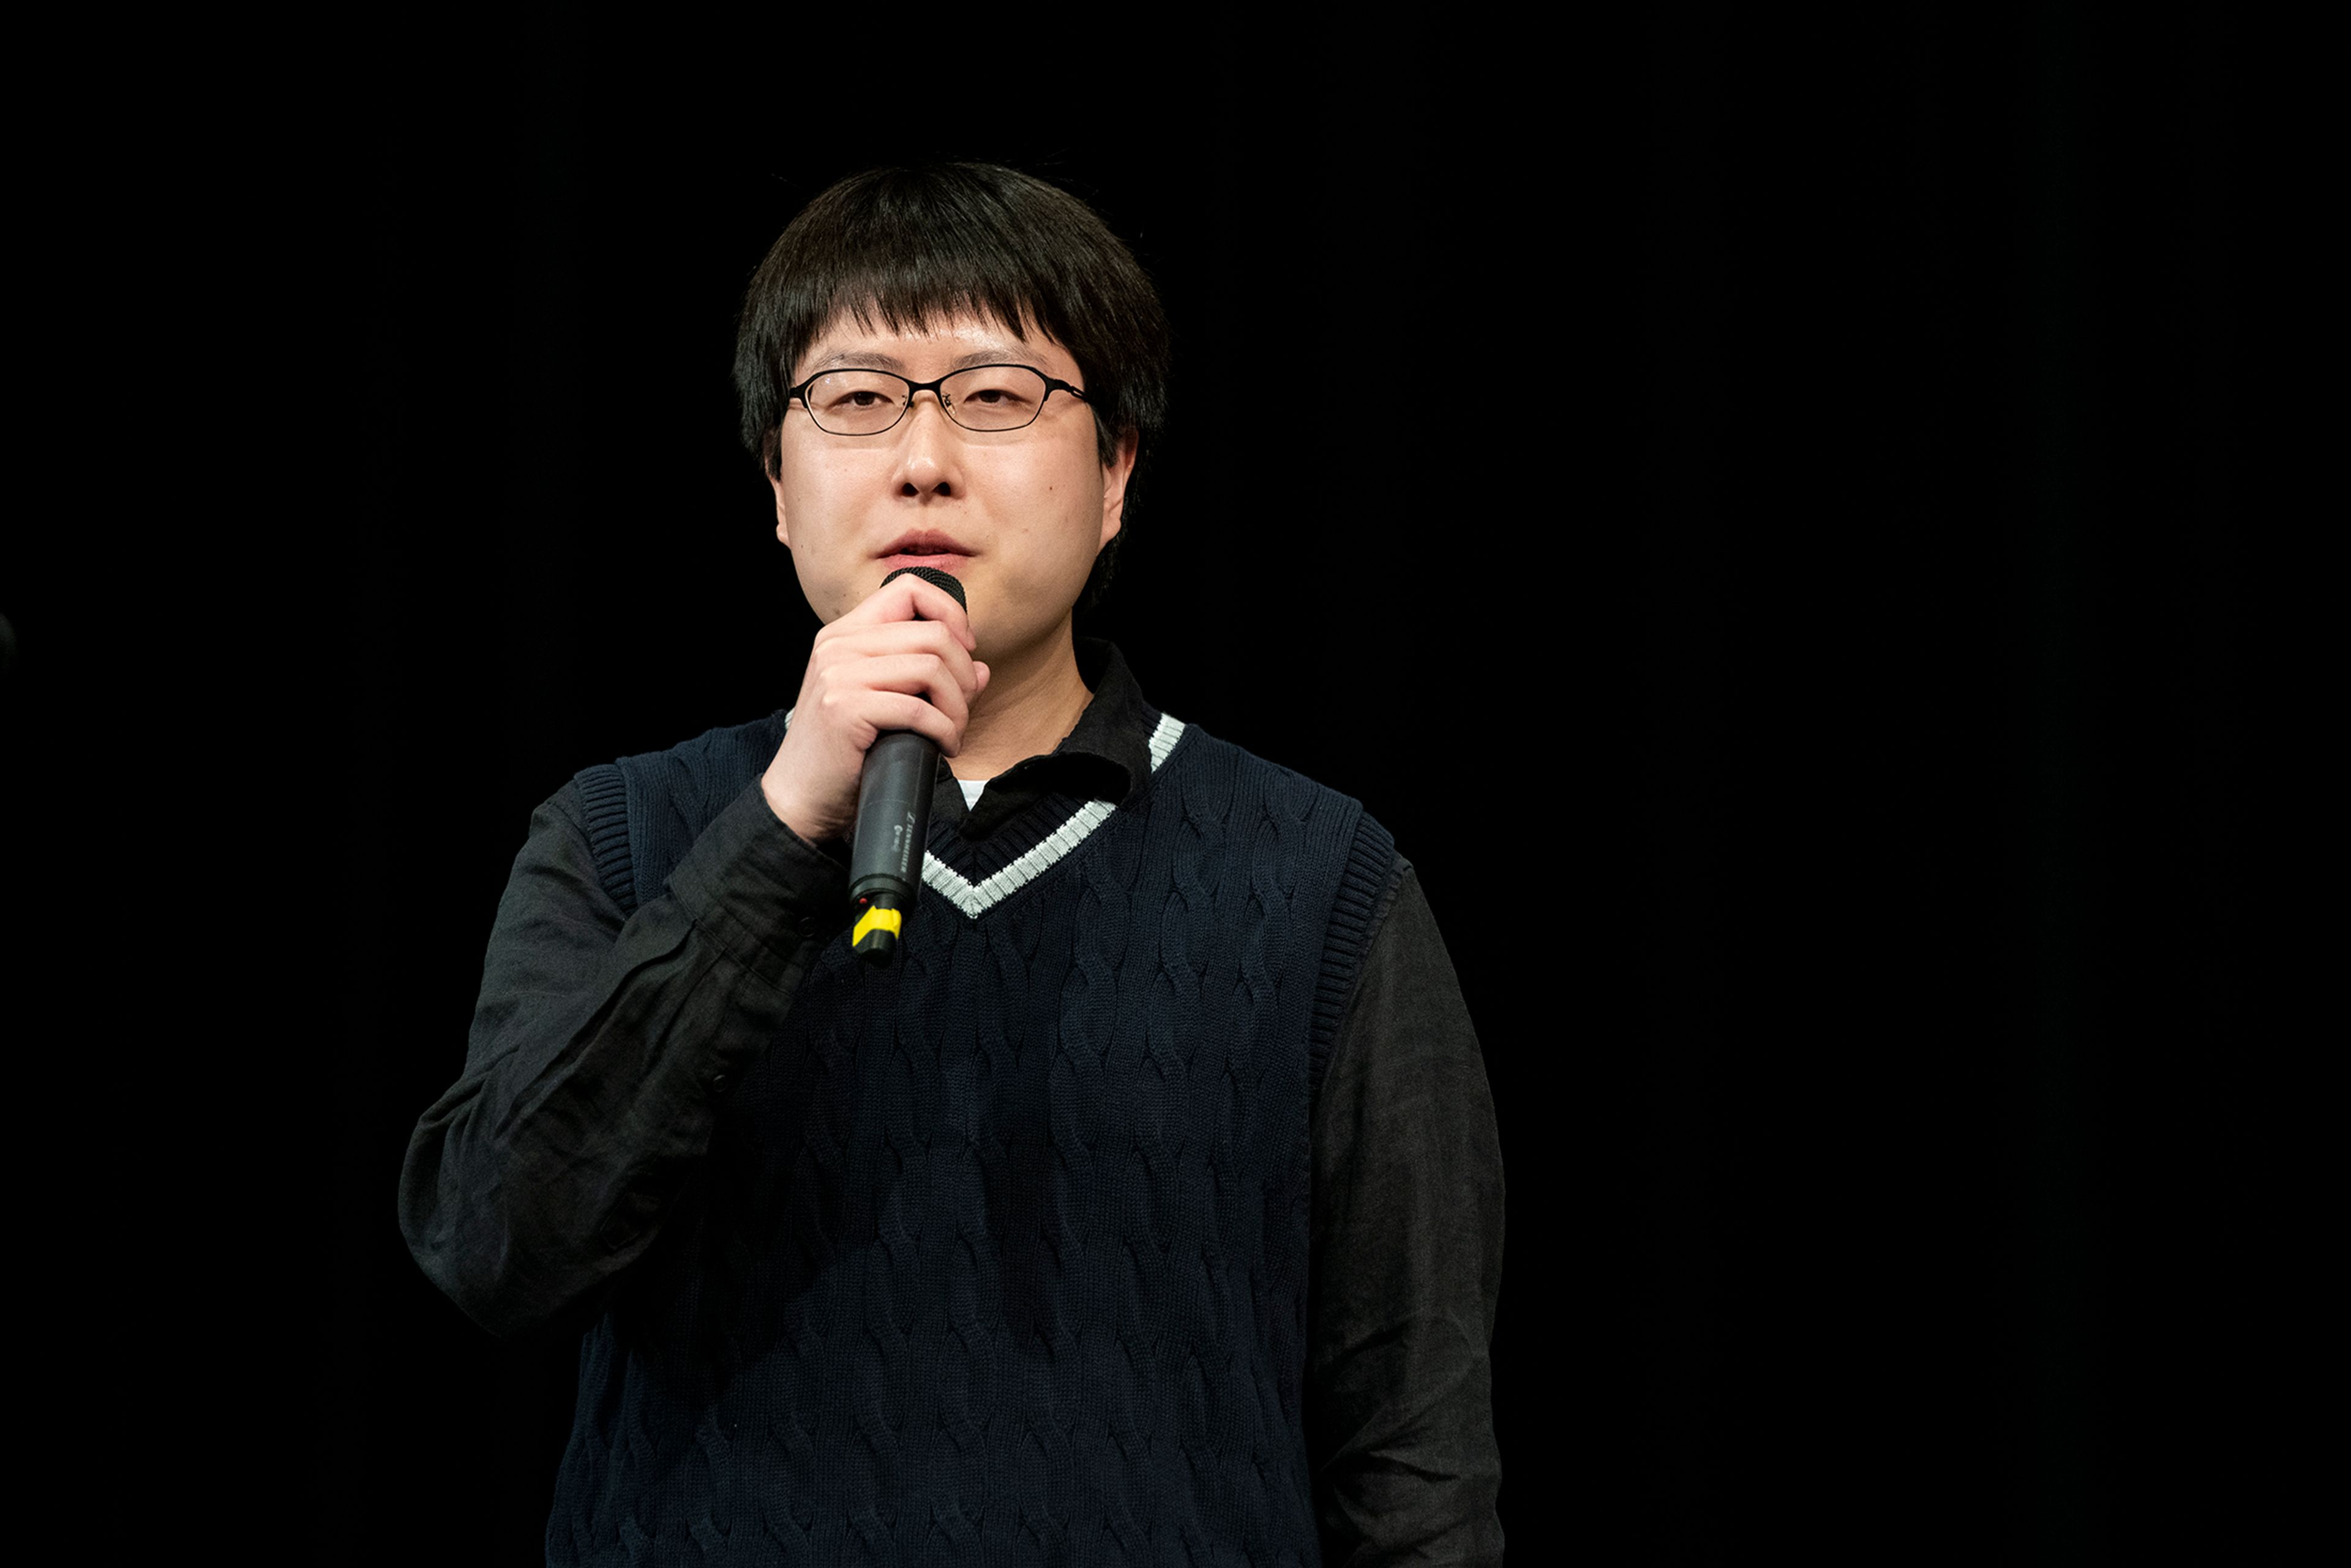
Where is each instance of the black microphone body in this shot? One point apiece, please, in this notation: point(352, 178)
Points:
point(894, 821)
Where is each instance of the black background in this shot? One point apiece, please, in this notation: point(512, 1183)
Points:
point(1808, 667)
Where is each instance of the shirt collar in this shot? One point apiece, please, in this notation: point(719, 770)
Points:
point(1106, 757)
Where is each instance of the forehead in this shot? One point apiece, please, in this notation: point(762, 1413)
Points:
point(932, 349)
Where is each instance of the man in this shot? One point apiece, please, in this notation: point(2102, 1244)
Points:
point(1149, 1208)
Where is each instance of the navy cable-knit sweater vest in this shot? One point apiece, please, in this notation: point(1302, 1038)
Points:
point(1000, 1254)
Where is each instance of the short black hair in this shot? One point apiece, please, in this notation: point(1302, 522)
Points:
point(912, 247)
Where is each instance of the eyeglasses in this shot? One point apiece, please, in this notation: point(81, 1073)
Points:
point(984, 397)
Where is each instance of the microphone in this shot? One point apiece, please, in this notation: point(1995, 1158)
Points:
point(894, 820)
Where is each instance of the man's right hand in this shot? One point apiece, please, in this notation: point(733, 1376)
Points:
point(902, 660)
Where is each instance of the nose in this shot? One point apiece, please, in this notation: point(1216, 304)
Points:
point(929, 449)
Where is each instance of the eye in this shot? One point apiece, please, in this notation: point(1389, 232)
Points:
point(996, 389)
point(852, 394)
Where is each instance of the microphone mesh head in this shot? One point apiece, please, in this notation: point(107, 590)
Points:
point(936, 578)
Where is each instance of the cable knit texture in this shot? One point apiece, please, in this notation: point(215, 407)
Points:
point(1000, 1254)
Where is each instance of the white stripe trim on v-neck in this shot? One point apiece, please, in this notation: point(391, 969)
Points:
point(976, 900)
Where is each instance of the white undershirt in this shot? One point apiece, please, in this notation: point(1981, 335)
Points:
point(971, 789)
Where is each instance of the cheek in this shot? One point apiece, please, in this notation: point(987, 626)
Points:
point(822, 593)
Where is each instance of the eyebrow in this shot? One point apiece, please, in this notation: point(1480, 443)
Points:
point(869, 360)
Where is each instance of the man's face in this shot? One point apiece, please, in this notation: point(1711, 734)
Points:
point(1018, 516)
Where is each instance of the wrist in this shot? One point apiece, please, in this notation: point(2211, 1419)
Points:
point(811, 826)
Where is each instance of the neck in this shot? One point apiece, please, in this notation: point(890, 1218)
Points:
point(1031, 703)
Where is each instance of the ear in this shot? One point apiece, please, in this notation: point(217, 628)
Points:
point(1116, 473)
point(783, 526)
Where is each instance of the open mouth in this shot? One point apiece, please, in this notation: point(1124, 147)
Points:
point(924, 548)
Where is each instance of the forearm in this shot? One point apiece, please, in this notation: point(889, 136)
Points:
point(1407, 1235)
point(599, 1047)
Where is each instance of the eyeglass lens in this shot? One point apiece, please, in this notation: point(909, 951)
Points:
point(986, 397)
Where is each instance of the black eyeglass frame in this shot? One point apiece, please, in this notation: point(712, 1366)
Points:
point(937, 388)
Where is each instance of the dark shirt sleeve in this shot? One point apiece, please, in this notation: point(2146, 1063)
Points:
point(597, 1047)
point(1408, 1238)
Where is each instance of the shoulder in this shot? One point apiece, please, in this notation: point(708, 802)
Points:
point(1209, 777)
point(701, 774)
point(1190, 761)
point(728, 745)
point(641, 813)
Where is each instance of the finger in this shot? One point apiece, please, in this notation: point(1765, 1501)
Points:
point(937, 605)
point(923, 676)
point(854, 716)
point(910, 598)
point(894, 710)
point(844, 691)
point(842, 645)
